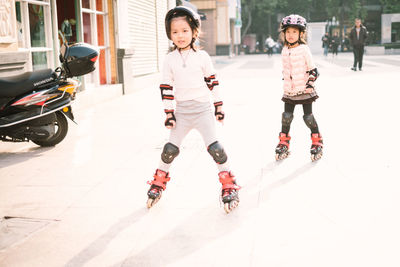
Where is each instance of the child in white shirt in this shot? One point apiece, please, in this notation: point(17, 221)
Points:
point(188, 81)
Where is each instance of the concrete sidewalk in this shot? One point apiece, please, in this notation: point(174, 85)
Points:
point(82, 203)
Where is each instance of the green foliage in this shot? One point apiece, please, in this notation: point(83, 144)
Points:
point(301, 7)
point(334, 7)
point(391, 6)
point(356, 10)
point(350, 9)
point(256, 16)
point(260, 16)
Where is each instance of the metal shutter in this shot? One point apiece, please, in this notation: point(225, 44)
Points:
point(162, 8)
point(142, 28)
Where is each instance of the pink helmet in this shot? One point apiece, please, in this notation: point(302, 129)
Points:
point(294, 20)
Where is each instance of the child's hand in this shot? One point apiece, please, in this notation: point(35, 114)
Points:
point(219, 114)
point(309, 90)
point(170, 121)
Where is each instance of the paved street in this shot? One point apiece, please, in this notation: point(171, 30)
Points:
point(82, 203)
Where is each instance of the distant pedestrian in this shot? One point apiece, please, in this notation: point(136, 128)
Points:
point(334, 43)
point(188, 82)
point(299, 75)
point(358, 38)
point(325, 43)
point(270, 43)
point(346, 43)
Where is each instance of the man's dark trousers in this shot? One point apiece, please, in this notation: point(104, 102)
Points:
point(358, 51)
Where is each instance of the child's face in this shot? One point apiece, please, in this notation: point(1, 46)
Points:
point(292, 34)
point(181, 33)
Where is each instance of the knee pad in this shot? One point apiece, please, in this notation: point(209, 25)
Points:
point(217, 152)
point(310, 121)
point(170, 152)
point(287, 118)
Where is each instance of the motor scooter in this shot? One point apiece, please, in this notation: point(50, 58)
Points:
point(34, 105)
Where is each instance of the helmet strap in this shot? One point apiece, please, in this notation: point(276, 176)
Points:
point(294, 43)
point(185, 46)
point(191, 45)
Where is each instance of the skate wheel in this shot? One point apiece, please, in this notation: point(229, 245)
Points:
point(229, 206)
point(315, 157)
point(281, 156)
point(151, 202)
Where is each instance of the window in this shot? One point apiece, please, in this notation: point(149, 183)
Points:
point(95, 23)
point(395, 32)
point(34, 32)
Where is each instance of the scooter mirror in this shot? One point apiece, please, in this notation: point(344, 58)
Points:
point(63, 51)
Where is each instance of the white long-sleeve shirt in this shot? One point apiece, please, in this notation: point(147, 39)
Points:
point(188, 75)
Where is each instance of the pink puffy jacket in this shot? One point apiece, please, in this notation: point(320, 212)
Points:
point(296, 62)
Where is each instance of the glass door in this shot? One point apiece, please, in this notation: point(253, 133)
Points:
point(34, 32)
point(94, 29)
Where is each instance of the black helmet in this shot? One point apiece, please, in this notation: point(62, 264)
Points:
point(181, 11)
point(294, 20)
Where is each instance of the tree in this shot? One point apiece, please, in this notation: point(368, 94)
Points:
point(262, 16)
point(257, 15)
point(301, 7)
point(344, 8)
point(247, 9)
point(391, 6)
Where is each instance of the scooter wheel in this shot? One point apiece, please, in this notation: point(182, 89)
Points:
point(61, 125)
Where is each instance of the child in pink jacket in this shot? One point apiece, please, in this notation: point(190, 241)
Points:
point(299, 75)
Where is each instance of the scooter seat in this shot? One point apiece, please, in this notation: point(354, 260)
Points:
point(23, 83)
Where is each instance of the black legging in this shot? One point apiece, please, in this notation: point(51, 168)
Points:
point(358, 51)
point(334, 49)
point(307, 109)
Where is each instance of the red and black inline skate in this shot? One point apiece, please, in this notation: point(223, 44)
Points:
point(316, 146)
point(156, 187)
point(229, 194)
point(282, 149)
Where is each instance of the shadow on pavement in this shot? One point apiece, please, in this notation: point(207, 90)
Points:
point(100, 244)
point(190, 235)
point(11, 158)
point(287, 179)
point(164, 252)
point(187, 237)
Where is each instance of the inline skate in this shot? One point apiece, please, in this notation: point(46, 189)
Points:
point(156, 187)
point(229, 194)
point(282, 149)
point(316, 146)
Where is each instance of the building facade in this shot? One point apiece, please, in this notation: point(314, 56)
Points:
point(130, 36)
point(40, 27)
point(220, 26)
point(141, 40)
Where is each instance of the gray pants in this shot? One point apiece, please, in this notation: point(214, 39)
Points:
point(194, 115)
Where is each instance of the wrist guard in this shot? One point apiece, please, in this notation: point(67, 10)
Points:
point(314, 74)
point(219, 114)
